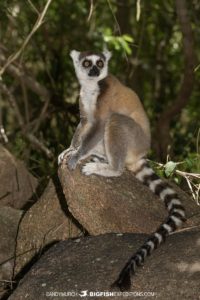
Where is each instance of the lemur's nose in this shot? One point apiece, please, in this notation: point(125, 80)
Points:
point(94, 71)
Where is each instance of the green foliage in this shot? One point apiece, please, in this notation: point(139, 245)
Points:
point(169, 168)
point(118, 43)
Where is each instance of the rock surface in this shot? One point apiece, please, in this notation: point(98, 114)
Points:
point(17, 184)
point(44, 223)
point(121, 204)
point(92, 263)
point(9, 221)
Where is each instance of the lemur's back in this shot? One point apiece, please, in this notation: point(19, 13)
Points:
point(116, 97)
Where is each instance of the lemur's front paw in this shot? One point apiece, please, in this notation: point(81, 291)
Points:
point(73, 160)
point(66, 153)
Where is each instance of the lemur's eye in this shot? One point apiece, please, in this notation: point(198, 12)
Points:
point(86, 63)
point(100, 63)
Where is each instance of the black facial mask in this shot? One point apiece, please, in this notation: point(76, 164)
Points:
point(94, 71)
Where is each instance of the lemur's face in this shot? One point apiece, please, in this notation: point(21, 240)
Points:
point(90, 66)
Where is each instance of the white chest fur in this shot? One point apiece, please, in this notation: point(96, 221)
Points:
point(89, 94)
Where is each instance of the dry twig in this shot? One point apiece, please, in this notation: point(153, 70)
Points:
point(91, 10)
point(30, 82)
point(16, 55)
point(189, 177)
point(19, 73)
point(29, 136)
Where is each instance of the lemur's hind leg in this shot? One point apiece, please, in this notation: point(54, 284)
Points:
point(98, 153)
point(119, 129)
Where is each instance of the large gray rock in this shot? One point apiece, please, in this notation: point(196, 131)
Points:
point(17, 185)
point(9, 221)
point(121, 204)
point(92, 264)
point(44, 223)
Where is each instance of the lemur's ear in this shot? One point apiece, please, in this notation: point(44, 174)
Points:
point(74, 55)
point(107, 54)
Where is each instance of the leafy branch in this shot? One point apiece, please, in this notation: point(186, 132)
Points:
point(192, 179)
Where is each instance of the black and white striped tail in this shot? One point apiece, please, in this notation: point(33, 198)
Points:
point(174, 220)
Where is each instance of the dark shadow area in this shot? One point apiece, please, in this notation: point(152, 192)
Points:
point(26, 269)
point(36, 195)
point(63, 204)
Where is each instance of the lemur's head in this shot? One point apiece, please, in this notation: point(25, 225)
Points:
point(90, 65)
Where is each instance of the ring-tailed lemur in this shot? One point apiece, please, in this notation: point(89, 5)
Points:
point(114, 127)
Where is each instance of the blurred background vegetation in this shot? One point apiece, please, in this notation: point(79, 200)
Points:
point(155, 46)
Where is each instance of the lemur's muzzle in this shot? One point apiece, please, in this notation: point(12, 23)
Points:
point(94, 71)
